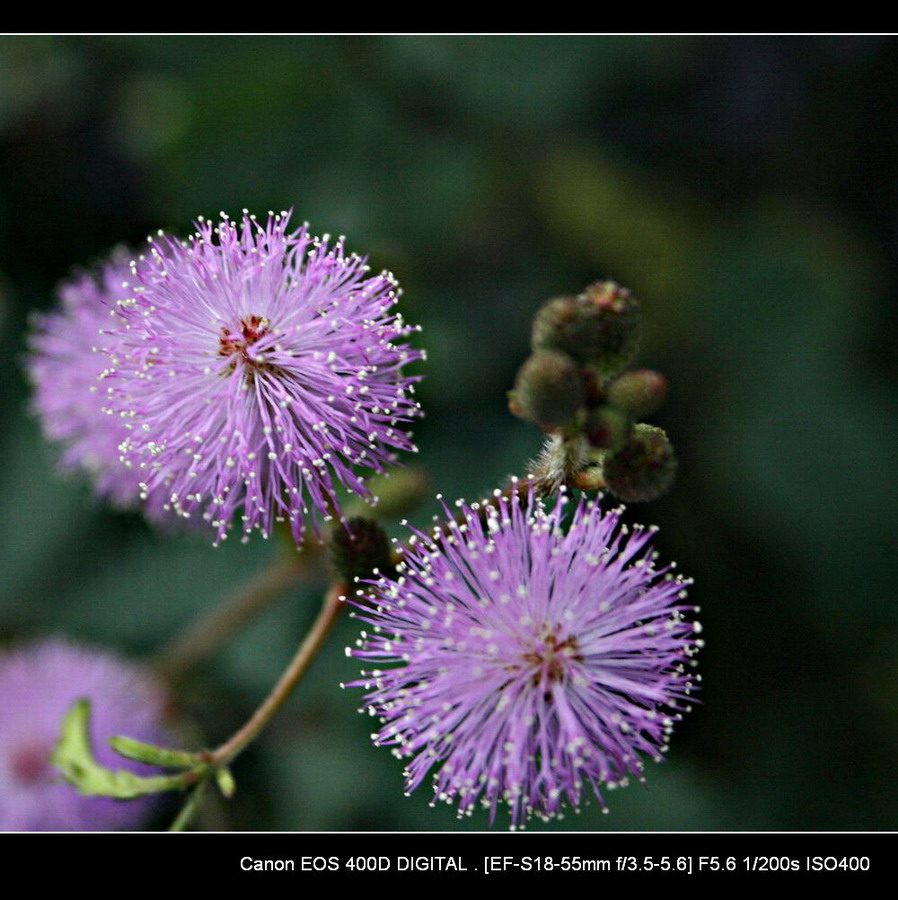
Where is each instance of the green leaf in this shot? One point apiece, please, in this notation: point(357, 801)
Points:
point(155, 756)
point(225, 781)
point(74, 758)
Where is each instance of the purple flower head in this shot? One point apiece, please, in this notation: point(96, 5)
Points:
point(529, 661)
point(64, 367)
point(38, 685)
point(257, 369)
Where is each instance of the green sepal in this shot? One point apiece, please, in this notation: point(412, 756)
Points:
point(155, 756)
point(225, 781)
point(74, 758)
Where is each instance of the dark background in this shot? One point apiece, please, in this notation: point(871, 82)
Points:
point(746, 188)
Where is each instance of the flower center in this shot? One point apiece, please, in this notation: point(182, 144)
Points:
point(251, 329)
point(551, 657)
point(30, 762)
point(236, 344)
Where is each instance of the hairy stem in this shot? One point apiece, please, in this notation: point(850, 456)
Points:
point(562, 459)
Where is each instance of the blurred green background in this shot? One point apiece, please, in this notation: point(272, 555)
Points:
point(746, 189)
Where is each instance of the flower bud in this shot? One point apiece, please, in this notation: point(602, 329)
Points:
point(359, 547)
point(639, 393)
point(644, 467)
point(548, 390)
point(600, 327)
point(607, 428)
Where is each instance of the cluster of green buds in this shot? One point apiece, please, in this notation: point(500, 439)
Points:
point(573, 387)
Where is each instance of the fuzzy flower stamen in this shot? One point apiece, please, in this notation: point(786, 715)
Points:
point(257, 370)
point(527, 655)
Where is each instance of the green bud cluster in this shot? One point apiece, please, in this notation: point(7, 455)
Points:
point(607, 427)
point(641, 392)
point(549, 390)
point(598, 328)
point(573, 385)
point(643, 468)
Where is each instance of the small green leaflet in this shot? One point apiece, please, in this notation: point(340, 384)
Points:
point(74, 758)
point(155, 756)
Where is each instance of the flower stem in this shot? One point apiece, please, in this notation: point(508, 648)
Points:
point(327, 616)
point(190, 808)
point(562, 459)
point(206, 635)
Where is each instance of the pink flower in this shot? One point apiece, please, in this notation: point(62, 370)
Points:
point(257, 370)
point(65, 366)
point(525, 660)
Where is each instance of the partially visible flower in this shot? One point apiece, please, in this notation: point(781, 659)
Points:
point(528, 661)
point(38, 685)
point(257, 369)
point(65, 366)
